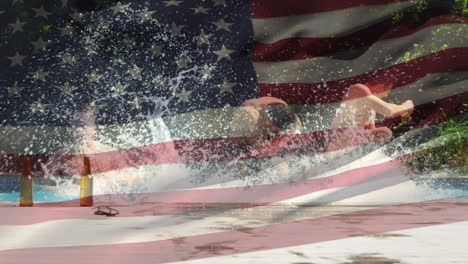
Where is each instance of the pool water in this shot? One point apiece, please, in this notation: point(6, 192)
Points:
point(38, 196)
point(423, 189)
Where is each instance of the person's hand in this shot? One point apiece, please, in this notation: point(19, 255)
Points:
point(407, 107)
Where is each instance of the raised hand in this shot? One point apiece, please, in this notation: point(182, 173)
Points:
point(407, 107)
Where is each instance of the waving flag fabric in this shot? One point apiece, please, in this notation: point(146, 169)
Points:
point(106, 54)
point(193, 63)
point(163, 79)
point(166, 76)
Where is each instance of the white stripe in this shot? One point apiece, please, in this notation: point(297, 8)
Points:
point(380, 55)
point(212, 123)
point(374, 193)
point(424, 245)
point(119, 230)
point(50, 140)
point(325, 24)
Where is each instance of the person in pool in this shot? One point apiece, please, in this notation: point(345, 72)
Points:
point(262, 125)
point(259, 121)
point(354, 123)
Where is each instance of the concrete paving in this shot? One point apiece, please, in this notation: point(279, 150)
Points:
point(423, 232)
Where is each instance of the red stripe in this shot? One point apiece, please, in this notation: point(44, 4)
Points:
point(449, 60)
point(137, 204)
point(274, 236)
point(303, 48)
point(202, 150)
point(279, 8)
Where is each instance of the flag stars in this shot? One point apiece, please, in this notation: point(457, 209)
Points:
point(172, 3)
point(15, 90)
point(17, 59)
point(39, 44)
point(67, 58)
point(219, 2)
point(75, 15)
point(222, 25)
point(66, 89)
point(136, 103)
point(90, 50)
point(38, 107)
point(223, 53)
point(206, 72)
point(40, 75)
point(118, 8)
point(200, 10)
point(182, 62)
point(135, 72)
point(118, 61)
point(159, 81)
point(203, 38)
point(156, 50)
point(17, 27)
point(41, 12)
point(93, 77)
point(226, 87)
point(66, 31)
point(176, 30)
point(184, 95)
point(146, 15)
point(119, 88)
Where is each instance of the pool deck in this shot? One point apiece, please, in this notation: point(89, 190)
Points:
point(425, 232)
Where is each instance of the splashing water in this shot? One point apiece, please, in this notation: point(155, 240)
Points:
point(172, 177)
point(90, 138)
point(93, 139)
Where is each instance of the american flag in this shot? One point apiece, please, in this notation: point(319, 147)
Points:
point(163, 79)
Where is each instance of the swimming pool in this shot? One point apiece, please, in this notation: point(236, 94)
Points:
point(9, 191)
point(418, 189)
point(39, 196)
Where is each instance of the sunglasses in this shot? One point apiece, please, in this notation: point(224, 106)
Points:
point(106, 210)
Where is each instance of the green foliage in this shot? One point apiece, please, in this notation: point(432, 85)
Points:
point(439, 42)
point(460, 7)
point(452, 132)
point(46, 28)
point(419, 6)
point(397, 17)
point(448, 150)
point(439, 36)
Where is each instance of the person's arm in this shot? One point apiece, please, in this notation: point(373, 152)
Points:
point(263, 101)
point(371, 125)
point(387, 109)
point(251, 102)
